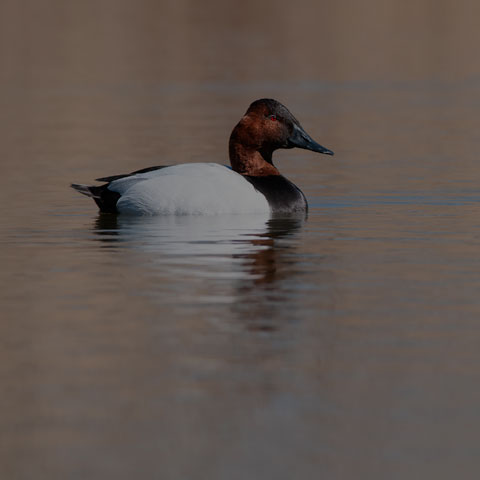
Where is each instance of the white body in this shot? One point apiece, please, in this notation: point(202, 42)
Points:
point(188, 189)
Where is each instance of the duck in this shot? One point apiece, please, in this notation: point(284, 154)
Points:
point(251, 184)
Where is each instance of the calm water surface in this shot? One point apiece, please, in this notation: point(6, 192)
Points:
point(340, 345)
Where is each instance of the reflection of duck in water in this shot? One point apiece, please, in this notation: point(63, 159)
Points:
point(252, 185)
point(252, 238)
point(246, 256)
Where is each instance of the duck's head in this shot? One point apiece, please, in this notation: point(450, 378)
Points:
point(267, 126)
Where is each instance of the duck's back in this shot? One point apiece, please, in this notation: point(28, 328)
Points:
point(193, 188)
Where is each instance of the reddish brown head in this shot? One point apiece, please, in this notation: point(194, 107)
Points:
point(267, 126)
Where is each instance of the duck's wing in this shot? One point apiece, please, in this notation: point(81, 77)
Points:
point(123, 175)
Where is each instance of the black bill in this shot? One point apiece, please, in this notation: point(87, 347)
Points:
point(301, 139)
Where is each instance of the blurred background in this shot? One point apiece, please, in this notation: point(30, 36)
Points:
point(341, 346)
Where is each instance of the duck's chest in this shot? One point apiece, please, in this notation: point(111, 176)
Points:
point(282, 195)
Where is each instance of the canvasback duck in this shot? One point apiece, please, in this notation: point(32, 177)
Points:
point(252, 184)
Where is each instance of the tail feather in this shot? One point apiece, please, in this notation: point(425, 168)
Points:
point(86, 190)
point(103, 197)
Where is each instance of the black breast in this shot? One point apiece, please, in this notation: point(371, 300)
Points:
point(282, 195)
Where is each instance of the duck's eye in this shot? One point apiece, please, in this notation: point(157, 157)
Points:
point(273, 118)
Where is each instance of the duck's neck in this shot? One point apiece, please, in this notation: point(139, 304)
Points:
point(247, 160)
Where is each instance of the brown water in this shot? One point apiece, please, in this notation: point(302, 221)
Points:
point(341, 346)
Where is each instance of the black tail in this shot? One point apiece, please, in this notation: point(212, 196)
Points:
point(103, 197)
point(86, 190)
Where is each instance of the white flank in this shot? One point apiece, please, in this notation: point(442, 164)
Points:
point(188, 189)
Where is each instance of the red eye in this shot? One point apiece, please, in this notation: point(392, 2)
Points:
point(273, 118)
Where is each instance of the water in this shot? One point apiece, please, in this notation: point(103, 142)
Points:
point(340, 345)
